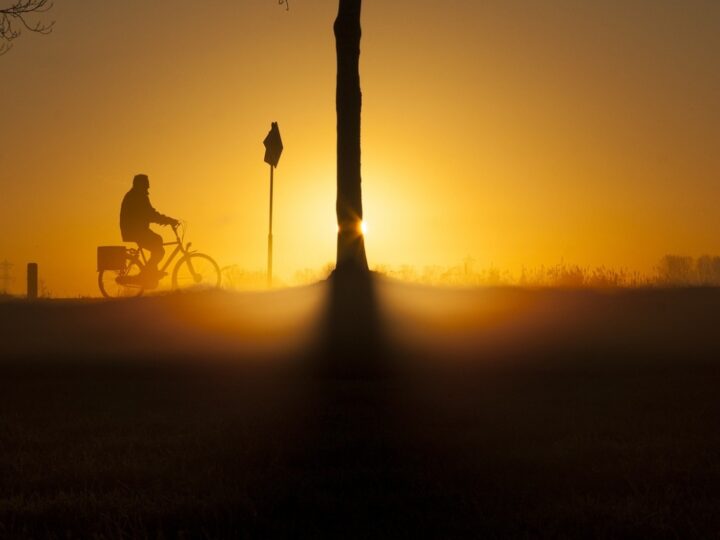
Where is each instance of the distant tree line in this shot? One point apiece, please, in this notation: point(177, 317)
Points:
point(559, 275)
point(680, 270)
point(671, 271)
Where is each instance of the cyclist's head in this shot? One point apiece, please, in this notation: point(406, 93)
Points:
point(141, 181)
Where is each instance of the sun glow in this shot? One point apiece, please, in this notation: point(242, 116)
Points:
point(363, 228)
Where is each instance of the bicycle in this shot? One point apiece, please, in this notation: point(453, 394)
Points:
point(120, 268)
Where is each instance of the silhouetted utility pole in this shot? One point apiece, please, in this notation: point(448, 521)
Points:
point(273, 150)
point(5, 277)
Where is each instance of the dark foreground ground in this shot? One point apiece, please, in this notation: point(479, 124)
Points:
point(508, 413)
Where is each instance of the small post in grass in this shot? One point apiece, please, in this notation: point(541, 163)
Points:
point(32, 281)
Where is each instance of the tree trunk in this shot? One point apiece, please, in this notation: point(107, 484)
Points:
point(350, 244)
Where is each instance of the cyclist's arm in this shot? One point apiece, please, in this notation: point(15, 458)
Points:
point(156, 217)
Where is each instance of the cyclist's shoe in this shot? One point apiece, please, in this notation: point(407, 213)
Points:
point(151, 278)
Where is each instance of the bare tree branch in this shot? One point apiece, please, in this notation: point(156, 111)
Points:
point(14, 18)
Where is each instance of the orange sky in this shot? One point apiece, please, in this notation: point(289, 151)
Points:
point(515, 132)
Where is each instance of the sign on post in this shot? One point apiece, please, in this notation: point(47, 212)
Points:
point(273, 145)
point(273, 150)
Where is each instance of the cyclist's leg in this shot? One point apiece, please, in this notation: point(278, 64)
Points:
point(154, 244)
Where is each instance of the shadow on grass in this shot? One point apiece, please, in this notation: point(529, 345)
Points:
point(353, 342)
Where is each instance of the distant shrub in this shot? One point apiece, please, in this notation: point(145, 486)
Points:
point(607, 277)
point(708, 270)
point(44, 291)
point(684, 271)
point(236, 278)
point(676, 270)
point(465, 275)
point(562, 275)
point(307, 276)
point(671, 271)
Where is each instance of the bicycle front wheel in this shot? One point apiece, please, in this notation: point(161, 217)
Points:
point(121, 283)
point(196, 271)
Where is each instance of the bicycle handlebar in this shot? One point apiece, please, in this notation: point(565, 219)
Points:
point(175, 227)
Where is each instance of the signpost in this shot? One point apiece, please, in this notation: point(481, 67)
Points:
point(273, 149)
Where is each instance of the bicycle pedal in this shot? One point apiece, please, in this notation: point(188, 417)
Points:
point(127, 280)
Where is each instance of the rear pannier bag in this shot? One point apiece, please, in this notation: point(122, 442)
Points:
point(110, 258)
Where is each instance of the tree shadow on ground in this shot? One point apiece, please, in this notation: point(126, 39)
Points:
point(349, 476)
point(353, 341)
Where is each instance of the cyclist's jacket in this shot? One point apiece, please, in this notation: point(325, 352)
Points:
point(136, 215)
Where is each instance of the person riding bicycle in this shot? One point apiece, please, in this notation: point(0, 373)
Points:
point(136, 215)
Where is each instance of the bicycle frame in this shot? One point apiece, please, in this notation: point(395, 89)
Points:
point(179, 248)
point(136, 259)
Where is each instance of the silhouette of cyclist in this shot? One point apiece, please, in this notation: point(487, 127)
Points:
point(136, 215)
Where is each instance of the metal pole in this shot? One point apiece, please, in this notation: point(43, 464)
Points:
point(270, 236)
point(32, 281)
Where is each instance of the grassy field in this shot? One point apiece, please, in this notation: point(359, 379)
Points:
point(508, 413)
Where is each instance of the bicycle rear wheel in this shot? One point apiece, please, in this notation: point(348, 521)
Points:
point(121, 283)
point(196, 271)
